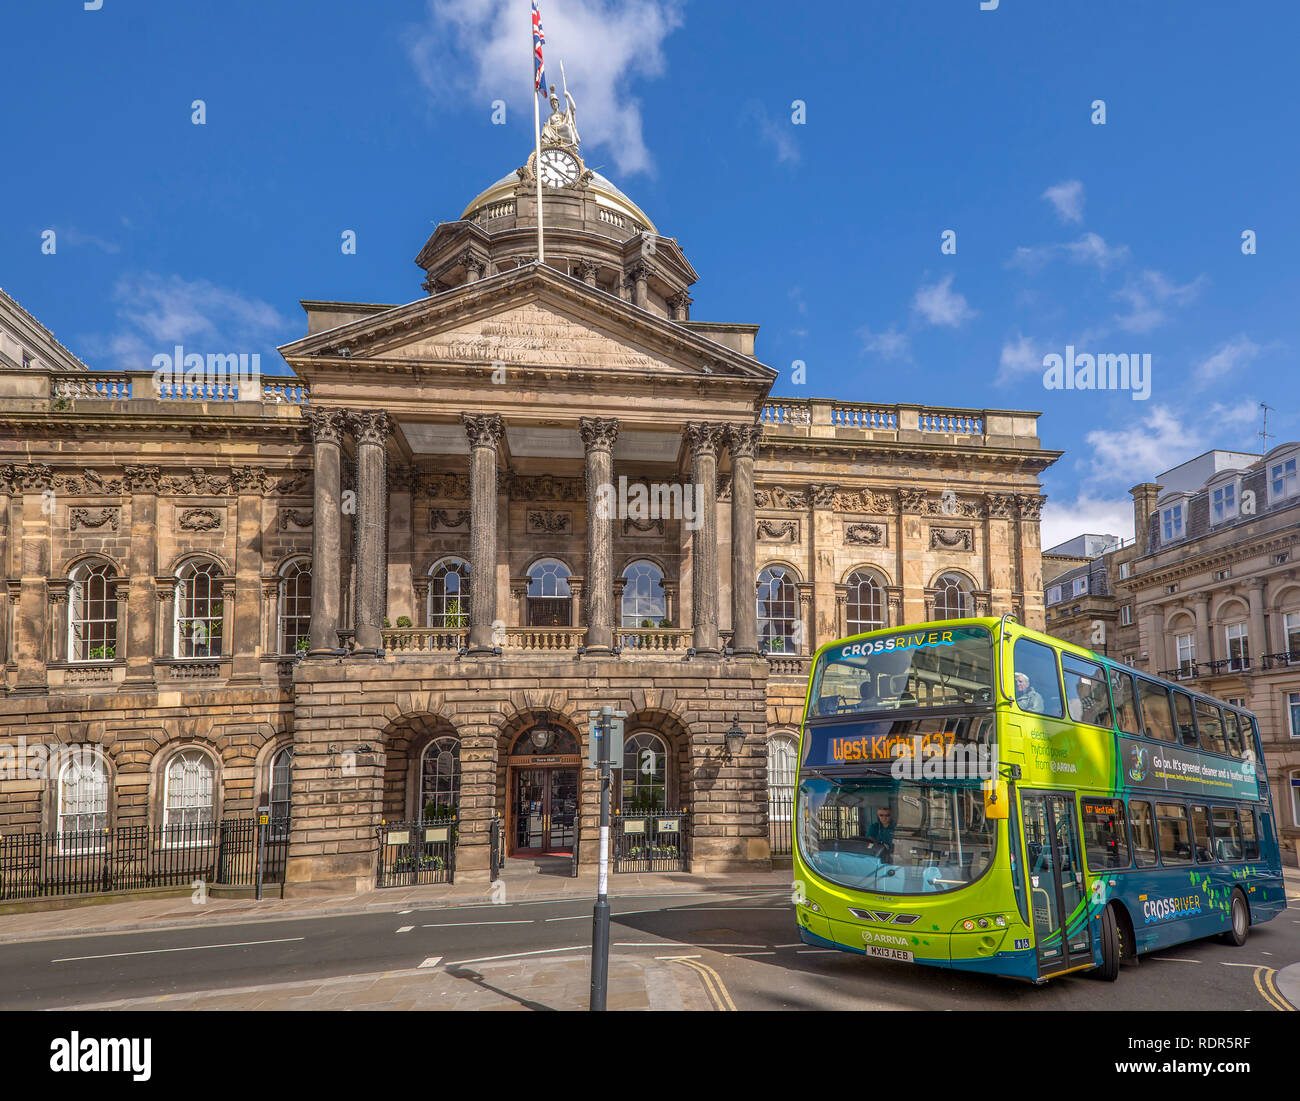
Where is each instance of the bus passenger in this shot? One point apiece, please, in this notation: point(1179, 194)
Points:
point(882, 829)
point(1028, 697)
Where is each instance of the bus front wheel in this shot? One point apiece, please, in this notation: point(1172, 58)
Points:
point(1110, 946)
point(1239, 921)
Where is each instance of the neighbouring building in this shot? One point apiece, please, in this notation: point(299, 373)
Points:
point(1207, 592)
point(393, 585)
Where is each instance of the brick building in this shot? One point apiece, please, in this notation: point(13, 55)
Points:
point(394, 584)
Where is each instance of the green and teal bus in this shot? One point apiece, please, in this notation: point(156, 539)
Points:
point(976, 795)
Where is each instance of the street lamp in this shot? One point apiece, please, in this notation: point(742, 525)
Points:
point(735, 739)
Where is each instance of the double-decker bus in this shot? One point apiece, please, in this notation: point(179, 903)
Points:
point(976, 795)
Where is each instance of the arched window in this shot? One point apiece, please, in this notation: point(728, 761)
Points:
point(92, 613)
point(439, 779)
point(951, 599)
point(82, 801)
point(281, 792)
point(645, 773)
point(778, 611)
point(189, 794)
point(295, 606)
point(549, 603)
point(199, 611)
point(449, 594)
point(865, 609)
point(643, 596)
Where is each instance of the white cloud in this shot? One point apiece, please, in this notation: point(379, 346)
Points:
point(1091, 248)
point(73, 236)
point(1067, 197)
point(1148, 296)
point(1019, 357)
point(891, 344)
point(939, 304)
point(1142, 448)
point(780, 136)
point(604, 46)
point(156, 312)
point(1227, 359)
point(1086, 515)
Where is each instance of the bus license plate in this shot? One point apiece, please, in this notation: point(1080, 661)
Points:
point(889, 954)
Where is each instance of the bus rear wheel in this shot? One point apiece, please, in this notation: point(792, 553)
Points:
point(1111, 947)
point(1239, 921)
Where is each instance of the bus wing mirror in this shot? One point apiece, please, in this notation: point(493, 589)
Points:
point(996, 802)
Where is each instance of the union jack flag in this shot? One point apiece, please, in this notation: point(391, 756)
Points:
point(539, 40)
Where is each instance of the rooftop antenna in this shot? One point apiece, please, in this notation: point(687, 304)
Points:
point(1264, 434)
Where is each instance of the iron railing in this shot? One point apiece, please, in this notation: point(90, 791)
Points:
point(412, 853)
point(657, 841)
point(129, 858)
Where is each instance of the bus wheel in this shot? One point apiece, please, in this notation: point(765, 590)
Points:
point(1239, 928)
point(1110, 946)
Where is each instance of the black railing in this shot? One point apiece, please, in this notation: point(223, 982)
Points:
point(1280, 661)
point(128, 858)
point(412, 853)
point(780, 819)
point(651, 842)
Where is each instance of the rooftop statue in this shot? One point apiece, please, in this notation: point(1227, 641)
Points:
point(562, 127)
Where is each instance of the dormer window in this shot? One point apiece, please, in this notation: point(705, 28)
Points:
point(1173, 523)
point(1080, 586)
point(1054, 595)
point(1283, 479)
point(1223, 503)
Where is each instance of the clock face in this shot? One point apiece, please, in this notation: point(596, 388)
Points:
point(558, 168)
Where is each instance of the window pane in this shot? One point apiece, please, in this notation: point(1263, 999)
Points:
point(1037, 689)
point(1232, 732)
point(1201, 834)
point(1209, 722)
point(645, 773)
point(1085, 691)
point(1174, 833)
point(1183, 710)
point(1249, 834)
point(1144, 835)
point(1157, 718)
point(1227, 833)
point(1105, 836)
point(1126, 714)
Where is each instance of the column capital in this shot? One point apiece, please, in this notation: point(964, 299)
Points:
point(704, 438)
point(484, 430)
point(327, 425)
point(743, 440)
point(370, 425)
point(598, 433)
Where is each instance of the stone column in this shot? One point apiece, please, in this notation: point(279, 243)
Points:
point(371, 429)
point(142, 640)
point(679, 307)
point(326, 529)
point(704, 440)
point(587, 270)
point(1258, 636)
point(640, 274)
point(245, 644)
point(598, 436)
point(484, 433)
point(742, 440)
point(1202, 609)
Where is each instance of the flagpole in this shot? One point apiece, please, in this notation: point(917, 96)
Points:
point(537, 166)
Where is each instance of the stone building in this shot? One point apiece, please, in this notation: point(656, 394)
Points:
point(394, 584)
point(1208, 592)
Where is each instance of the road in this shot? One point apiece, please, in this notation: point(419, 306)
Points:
point(749, 940)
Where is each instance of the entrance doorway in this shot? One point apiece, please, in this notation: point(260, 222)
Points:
point(1057, 891)
point(546, 810)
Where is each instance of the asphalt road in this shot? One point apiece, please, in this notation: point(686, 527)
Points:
point(750, 941)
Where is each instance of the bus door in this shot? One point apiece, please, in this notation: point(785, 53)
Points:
point(1058, 896)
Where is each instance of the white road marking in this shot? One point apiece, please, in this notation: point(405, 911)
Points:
point(475, 924)
point(1179, 959)
point(406, 928)
point(432, 961)
point(406, 911)
point(518, 955)
point(753, 953)
point(818, 952)
point(644, 944)
point(1226, 964)
point(190, 948)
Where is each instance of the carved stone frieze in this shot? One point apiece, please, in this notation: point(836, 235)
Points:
point(864, 500)
point(778, 531)
point(865, 535)
point(92, 519)
point(777, 497)
point(295, 519)
point(201, 519)
point(445, 519)
point(962, 539)
point(546, 522)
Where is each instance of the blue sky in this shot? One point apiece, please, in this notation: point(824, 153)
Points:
point(922, 116)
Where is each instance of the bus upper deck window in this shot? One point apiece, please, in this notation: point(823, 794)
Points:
point(1156, 716)
point(1126, 714)
point(1036, 685)
point(1085, 691)
point(1183, 712)
point(1232, 731)
point(1209, 722)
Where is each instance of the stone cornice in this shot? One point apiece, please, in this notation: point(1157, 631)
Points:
point(958, 455)
point(1265, 543)
point(193, 481)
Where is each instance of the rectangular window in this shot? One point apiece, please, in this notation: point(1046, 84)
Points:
point(1293, 712)
point(1054, 594)
point(1238, 646)
point(1227, 834)
point(1223, 503)
point(1126, 713)
point(1183, 715)
point(1037, 689)
point(1209, 724)
point(1123, 570)
point(1085, 691)
point(1295, 799)
point(1201, 835)
point(1126, 615)
point(1291, 636)
point(1171, 523)
point(1186, 654)
point(1080, 586)
point(1144, 834)
point(1282, 479)
point(1105, 837)
point(1250, 833)
point(1156, 714)
point(1174, 833)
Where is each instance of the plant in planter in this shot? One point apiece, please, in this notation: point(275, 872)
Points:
point(403, 620)
point(107, 652)
point(302, 646)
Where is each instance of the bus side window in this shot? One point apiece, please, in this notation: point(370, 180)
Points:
point(1183, 711)
point(1250, 834)
point(1227, 833)
point(1201, 835)
point(1037, 688)
point(1105, 837)
point(1232, 730)
point(1126, 714)
point(1085, 691)
point(1156, 716)
point(1144, 838)
point(1175, 837)
point(1209, 723)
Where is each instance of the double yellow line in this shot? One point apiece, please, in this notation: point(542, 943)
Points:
point(1268, 990)
point(712, 981)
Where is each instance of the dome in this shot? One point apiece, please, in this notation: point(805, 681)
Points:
point(604, 192)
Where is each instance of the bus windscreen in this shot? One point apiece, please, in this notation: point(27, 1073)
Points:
point(941, 667)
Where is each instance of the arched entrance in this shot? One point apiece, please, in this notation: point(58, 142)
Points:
point(543, 791)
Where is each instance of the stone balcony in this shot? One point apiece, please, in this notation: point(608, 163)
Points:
point(62, 390)
point(818, 418)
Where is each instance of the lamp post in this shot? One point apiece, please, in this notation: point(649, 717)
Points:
point(606, 725)
point(734, 738)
